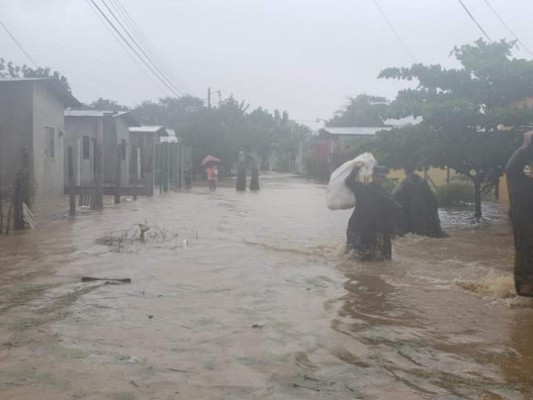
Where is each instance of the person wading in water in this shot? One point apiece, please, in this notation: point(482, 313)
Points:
point(520, 187)
point(372, 224)
point(420, 213)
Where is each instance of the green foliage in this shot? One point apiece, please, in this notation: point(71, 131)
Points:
point(455, 194)
point(106, 105)
point(363, 110)
point(9, 70)
point(226, 129)
point(462, 111)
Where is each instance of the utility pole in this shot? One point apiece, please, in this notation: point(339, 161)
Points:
point(209, 92)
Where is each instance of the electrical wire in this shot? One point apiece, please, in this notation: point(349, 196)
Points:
point(139, 56)
point(141, 48)
point(18, 44)
point(394, 31)
point(477, 23)
point(137, 32)
point(507, 27)
point(123, 46)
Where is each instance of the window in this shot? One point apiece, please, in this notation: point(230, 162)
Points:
point(123, 149)
point(86, 150)
point(49, 142)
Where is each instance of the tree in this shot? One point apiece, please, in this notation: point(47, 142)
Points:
point(7, 69)
point(106, 105)
point(470, 118)
point(363, 110)
point(222, 130)
point(168, 111)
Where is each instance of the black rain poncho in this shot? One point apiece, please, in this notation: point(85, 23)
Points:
point(521, 196)
point(419, 207)
point(373, 222)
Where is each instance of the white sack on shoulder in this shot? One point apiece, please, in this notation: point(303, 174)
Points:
point(338, 195)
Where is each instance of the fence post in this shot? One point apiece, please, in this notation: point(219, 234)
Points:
point(98, 178)
point(166, 166)
point(117, 173)
point(18, 216)
point(71, 185)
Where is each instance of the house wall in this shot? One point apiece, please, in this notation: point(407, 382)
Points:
point(16, 128)
point(75, 129)
point(109, 148)
point(48, 172)
point(122, 129)
point(116, 129)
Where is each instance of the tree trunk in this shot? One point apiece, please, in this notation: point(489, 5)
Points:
point(477, 197)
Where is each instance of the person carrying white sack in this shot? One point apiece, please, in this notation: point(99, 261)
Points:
point(375, 217)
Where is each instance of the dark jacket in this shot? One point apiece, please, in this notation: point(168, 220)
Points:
point(375, 217)
point(520, 188)
point(419, 207)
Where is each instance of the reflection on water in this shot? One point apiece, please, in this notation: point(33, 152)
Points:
point(253, 299)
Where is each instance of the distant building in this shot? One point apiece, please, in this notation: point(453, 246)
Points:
point(84, 129)
point(32, 136)
point(331, 142)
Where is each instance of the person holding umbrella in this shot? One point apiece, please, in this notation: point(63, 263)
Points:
point(211, 171)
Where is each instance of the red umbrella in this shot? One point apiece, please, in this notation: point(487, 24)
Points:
point(210, 159)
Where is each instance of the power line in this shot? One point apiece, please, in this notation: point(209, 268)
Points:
point(137, 32)
point(394, 31)
point(123, 46)
point(147, 61)
point(473, 19)
point(139, 56)
point(507, 27)
point(18, 44)
point(141, 49)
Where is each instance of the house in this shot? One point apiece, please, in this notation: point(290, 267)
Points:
point(31, 137)
point(331, 142)
point(142, 157)
point(84, 130)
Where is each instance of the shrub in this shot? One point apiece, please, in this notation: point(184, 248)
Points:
point(454, 194)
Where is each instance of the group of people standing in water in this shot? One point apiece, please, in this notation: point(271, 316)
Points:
point(412, 208)
point(380, 215)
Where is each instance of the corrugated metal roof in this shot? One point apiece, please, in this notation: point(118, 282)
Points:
point(72, 112)
point(52, 85)
point(170, 139)
point(100, 114)
point(149, 129)
point(353, 130)
point(83, 113)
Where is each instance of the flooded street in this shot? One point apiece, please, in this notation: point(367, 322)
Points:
point(248, 296)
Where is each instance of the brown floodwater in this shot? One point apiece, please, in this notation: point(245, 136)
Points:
point(249, 296)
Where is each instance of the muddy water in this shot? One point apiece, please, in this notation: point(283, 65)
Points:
point(248, 296)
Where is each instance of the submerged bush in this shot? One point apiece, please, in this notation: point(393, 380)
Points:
point(454, 194)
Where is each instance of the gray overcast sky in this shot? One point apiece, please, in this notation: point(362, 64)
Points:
point(303, 56)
